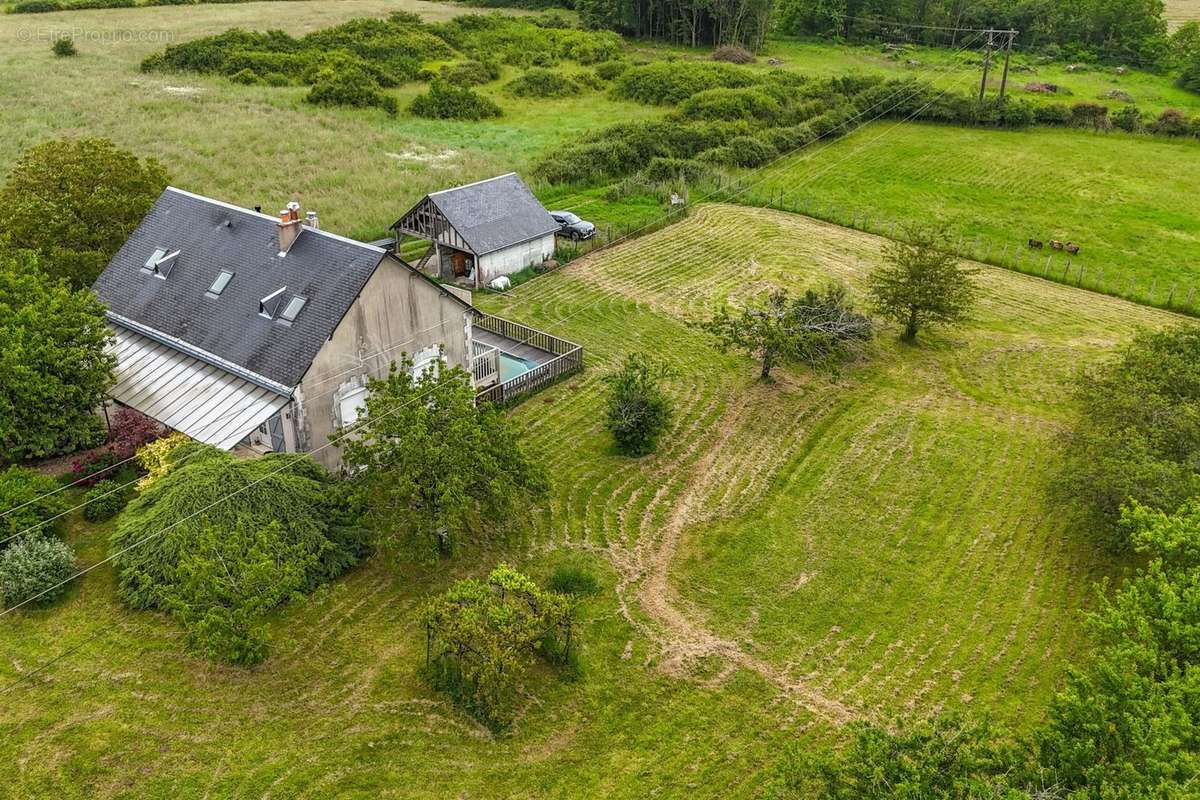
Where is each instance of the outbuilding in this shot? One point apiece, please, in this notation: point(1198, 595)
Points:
point(480, 231)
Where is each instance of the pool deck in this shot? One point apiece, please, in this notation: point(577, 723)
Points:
point(512, 347)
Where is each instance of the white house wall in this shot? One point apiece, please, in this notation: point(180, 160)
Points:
point(515, 258)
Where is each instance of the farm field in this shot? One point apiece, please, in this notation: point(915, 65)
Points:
point(1181, 11)
point(1128, 201)
point(796, 555)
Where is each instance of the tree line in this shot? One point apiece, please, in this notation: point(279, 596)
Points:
point(1132, 31)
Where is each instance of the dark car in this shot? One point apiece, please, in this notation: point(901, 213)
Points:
point(572, 226)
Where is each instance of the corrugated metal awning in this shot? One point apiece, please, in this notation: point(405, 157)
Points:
point(182, 392)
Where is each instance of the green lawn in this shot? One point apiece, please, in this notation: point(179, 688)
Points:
point(796, 555)
point(1128, 201)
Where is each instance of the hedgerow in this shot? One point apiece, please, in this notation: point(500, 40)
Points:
point(749, 103)
point(444, 101)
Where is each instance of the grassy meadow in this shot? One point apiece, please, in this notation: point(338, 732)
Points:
point(796, 555)
point(259, 145)
point(1129, 201)
point(1181, 11)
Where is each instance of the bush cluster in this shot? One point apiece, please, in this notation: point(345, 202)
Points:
point(349, 88)
point(444, 101)
point(303, 499)
point(467, 73)
point(35, 567)
point(541, 82)
point(671, 82)
point(639, 411)
point(611, 70)
point(749, 103)
point(521, 42)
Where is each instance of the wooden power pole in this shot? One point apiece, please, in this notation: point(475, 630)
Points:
point(987, 63)
point(1007, 57)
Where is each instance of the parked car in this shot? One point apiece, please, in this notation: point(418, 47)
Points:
point(572, 226)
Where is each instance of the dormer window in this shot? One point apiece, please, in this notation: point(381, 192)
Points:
point(219, 283)
point(160, 263)
point(293, 309)
point(269, 305)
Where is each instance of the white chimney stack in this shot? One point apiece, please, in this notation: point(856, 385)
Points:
point(289, 227)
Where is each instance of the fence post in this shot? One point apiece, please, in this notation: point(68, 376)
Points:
point(1046, 271)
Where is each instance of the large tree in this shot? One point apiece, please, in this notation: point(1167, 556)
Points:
point(54, 369)
point(430, 465)
point(819, 329)
point(74, 202)
point(1137, 434)
point(922, 283)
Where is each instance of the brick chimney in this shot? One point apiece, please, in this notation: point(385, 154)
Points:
point(289, 227)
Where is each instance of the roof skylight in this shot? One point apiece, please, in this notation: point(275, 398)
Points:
point(293, 308)
point(219, 283)
point(159, 264)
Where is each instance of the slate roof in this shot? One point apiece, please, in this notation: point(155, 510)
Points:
point(494, 214)
point(327, 269)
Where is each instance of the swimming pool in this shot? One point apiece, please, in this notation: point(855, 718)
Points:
point(511, 366)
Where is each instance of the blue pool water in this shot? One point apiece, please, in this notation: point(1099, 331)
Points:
point(511, 367)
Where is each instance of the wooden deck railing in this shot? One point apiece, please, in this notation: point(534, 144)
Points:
point(485, 365)
point(568, 358)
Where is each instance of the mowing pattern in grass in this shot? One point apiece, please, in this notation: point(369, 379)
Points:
point(795, 554)
point(1129, 202)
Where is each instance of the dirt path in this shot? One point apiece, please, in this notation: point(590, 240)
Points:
point(681, 637)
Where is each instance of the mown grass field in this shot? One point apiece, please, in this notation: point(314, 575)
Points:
point(1128, 201)
point(796, 555)
point(1181, 11)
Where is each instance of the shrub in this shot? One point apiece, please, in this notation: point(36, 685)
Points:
point(245, 77)
point(35, 567)
point(482, 636)
point(638, 411)
point(63, 47)
point(665, 170)
point(160, 457)
point(1052, 114)
point(349, 89)
point(104, 500)
point(29, 501)
point(538, 82)
point(131, 430)
point(1190, 77)
point(611, 70)
point(749, 103)
point(303, 498)
point(788, 140)
point(444, 101)
point(663, 83)
point(1129, 119)
point(470, 73)
point(733, 54)
point(227, 582)
point(741, 151)
point(1171, 122)
point(573, 579)
point(588, 80)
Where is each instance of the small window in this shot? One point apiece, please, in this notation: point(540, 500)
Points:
point(219, 284)
point(351, 405)
point(293, 308)
point(159, 264)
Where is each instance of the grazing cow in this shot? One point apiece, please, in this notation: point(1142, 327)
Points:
point(1056, 244)
point(1072, 248)
point(1035, 244)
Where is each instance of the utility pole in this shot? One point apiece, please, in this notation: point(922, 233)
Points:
point(987, 63)
point(1007, 57)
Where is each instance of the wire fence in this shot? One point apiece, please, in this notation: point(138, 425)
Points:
point(1017, 255)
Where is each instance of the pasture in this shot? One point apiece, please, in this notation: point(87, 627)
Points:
point(796, 555)
point(1127, 200)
